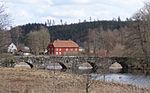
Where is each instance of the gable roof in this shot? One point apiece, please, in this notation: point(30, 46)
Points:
point(12, 45)
point(65, 43)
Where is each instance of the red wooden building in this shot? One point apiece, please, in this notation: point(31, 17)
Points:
point(63, 47)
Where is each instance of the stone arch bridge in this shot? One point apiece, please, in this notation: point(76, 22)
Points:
point(73, 62)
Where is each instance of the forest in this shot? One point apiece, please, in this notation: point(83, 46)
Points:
point(77, 31)
point(117, 37)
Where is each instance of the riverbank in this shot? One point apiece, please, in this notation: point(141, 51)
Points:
point(43, 81)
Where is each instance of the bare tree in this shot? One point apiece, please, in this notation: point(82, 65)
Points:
point(15, 35)
point(33, 42)
point(88, 83)
point(38, 40)
point(138, 38)
point(53, 23)
point(61, 21)
point(4, 18)
point(44, 37)
point(49, 22)
point(5, 38)
point(98, 39)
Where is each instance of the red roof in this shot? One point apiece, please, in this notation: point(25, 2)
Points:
point(65, 43)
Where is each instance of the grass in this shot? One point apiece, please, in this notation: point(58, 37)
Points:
point(43, 81)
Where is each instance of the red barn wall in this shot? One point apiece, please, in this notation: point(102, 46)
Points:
point(61, 50)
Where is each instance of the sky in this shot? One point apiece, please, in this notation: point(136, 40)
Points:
point(70, 11)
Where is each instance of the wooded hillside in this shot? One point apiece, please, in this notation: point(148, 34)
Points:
point(77, 32)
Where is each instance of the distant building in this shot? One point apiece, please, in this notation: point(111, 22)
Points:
point(12, 48)
point(24, 51)
point(63, 47)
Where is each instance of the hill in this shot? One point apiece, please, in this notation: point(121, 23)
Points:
point(77, 32)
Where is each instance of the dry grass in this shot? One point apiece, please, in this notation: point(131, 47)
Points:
point(43, 81)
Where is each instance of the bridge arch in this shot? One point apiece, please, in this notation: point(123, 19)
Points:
point(94, 66)
point(115, 66)
point(62, 65)
point(90, 62)
point(71, 62)
point(122, 61)
point(85, 65)
point(30, 64)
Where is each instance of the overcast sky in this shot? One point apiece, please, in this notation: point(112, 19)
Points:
point(70, 11)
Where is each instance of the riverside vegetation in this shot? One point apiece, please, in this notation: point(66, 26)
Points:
point(18, 80)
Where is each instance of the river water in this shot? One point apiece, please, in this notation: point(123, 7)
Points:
point(140, 79)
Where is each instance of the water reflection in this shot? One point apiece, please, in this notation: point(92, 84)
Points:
point(54, 66)
point(126, 78)
point(134, 77)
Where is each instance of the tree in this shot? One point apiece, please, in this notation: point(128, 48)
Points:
point(4, 23)
point(5, 40)
point(53, 23)
point(98, 39)
point(16, 35)
point(88, 83)
point(4, 18)
point(138, 37)
point(44, 37)
point(61, 21)
point(49, 22)
point(119, 19)
point(90, 44)
point(33, 42)
point(38, 40)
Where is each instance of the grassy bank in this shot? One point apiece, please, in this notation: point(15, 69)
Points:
point(43, 81)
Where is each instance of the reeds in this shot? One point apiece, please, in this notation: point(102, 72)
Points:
point(43, 81)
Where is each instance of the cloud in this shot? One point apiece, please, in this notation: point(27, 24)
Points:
point(28, 11)
point(82, 1)
point(30, 2)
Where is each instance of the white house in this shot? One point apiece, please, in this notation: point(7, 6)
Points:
point(12, 48)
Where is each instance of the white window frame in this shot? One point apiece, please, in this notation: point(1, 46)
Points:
point(60, 49)
point(57, 53)
point(66, 49)
point(76, 49)
point(71, 49)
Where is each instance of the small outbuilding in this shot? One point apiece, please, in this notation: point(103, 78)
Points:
point(25, 51)
point(12, 48)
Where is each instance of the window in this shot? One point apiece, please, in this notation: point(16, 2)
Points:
point(76, 49)
point(71, 49)
point(56, 49)
point(56, 53)
point(59, 53)
point(60, 49)
point(66, 49)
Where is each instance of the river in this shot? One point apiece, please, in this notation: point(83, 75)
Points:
point(140, 80)
point(137, 78)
